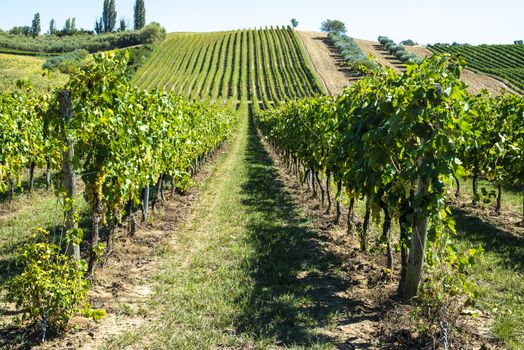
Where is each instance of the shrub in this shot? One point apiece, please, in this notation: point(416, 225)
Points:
point(408, 42)
point(152, 34)
point(67, 63)
point(52, 287)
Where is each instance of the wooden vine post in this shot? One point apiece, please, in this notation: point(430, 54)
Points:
point(68, 172)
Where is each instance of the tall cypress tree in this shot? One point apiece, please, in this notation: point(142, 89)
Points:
point(109, 16)
point(35, 25)
point(140, 14)
point(52, 26)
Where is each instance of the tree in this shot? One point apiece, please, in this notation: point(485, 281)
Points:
point(67, 27)
point(35, 26)
point(294, 22)
point(152, 34)
point(109, 16)
point(123, 25)
point(333, 26)
point(52, 27)
point(140, 14)
point(99, 26)
point(408, 42)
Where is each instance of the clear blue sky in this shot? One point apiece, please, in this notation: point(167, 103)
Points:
point(476, 22)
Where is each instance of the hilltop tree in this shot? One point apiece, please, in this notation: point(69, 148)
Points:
point(35, 25)
point(109, 16)
point(333, 26)
point(294, 22)
point(52, 27)
point(140, 14)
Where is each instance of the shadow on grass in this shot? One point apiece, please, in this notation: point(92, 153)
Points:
point(508, 247)
point(38, 184)
point(297, 282)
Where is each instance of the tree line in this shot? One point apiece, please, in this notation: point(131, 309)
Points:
point(107, 23)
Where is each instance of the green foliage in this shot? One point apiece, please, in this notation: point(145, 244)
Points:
point(52, 27)
point(352, 53)
point(152, 34)
point(502, 61)
point(123, 25)
point(35, 25)
point(215, 66)
point(448, 284)
point(139, 14)
point(408, 42)
point(399, 51)
point(333, 26)
point(52, 287)
point(68, 62)
point(294, 22)
point(109, 16)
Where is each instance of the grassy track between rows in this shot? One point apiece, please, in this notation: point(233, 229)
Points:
point(235, 275)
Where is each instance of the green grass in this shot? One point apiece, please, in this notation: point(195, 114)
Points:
point(500, 272)
point(13, 68)
point(247, 270)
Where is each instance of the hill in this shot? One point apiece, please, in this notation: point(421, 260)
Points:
point(264, 65)
point(501, 61)
point(475, 80)
point(14, 67)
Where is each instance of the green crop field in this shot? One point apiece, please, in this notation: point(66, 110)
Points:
point(268, 65)
point(502, 61)
point(15, 67)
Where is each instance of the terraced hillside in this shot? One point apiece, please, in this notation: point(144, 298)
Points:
point(501, 61)
point(268, 65)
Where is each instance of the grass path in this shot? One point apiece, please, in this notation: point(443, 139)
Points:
point(245, 271)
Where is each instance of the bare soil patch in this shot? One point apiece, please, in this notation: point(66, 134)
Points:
point(327, 62)
point(476, 81)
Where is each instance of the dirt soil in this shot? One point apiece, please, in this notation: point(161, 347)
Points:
point(475, 81)
point(327, 62)
point(383, 57)
point(121, 286)
point(376, 319)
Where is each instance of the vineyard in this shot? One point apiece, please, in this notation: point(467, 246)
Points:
point(14, 68)
point(503, 61)
point(266, 65)
point(220, 198)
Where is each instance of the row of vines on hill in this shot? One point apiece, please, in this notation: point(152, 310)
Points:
point(124, 139)
point(398, 140)
point(266, 65)
point(501, 61)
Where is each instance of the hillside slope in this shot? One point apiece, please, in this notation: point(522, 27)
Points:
point(14, 67)
point(265, 65)
point(475, 81)
point(503, 62)
point(327, 63)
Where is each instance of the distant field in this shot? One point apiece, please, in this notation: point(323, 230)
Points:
point(502, 61)
point(14, 67)
point(268, 65)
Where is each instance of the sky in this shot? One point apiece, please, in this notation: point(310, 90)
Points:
point(463, 21)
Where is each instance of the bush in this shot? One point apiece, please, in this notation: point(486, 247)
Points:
point(67, 63)
point(52, 287)
point(152, 34)
point(408, 42)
